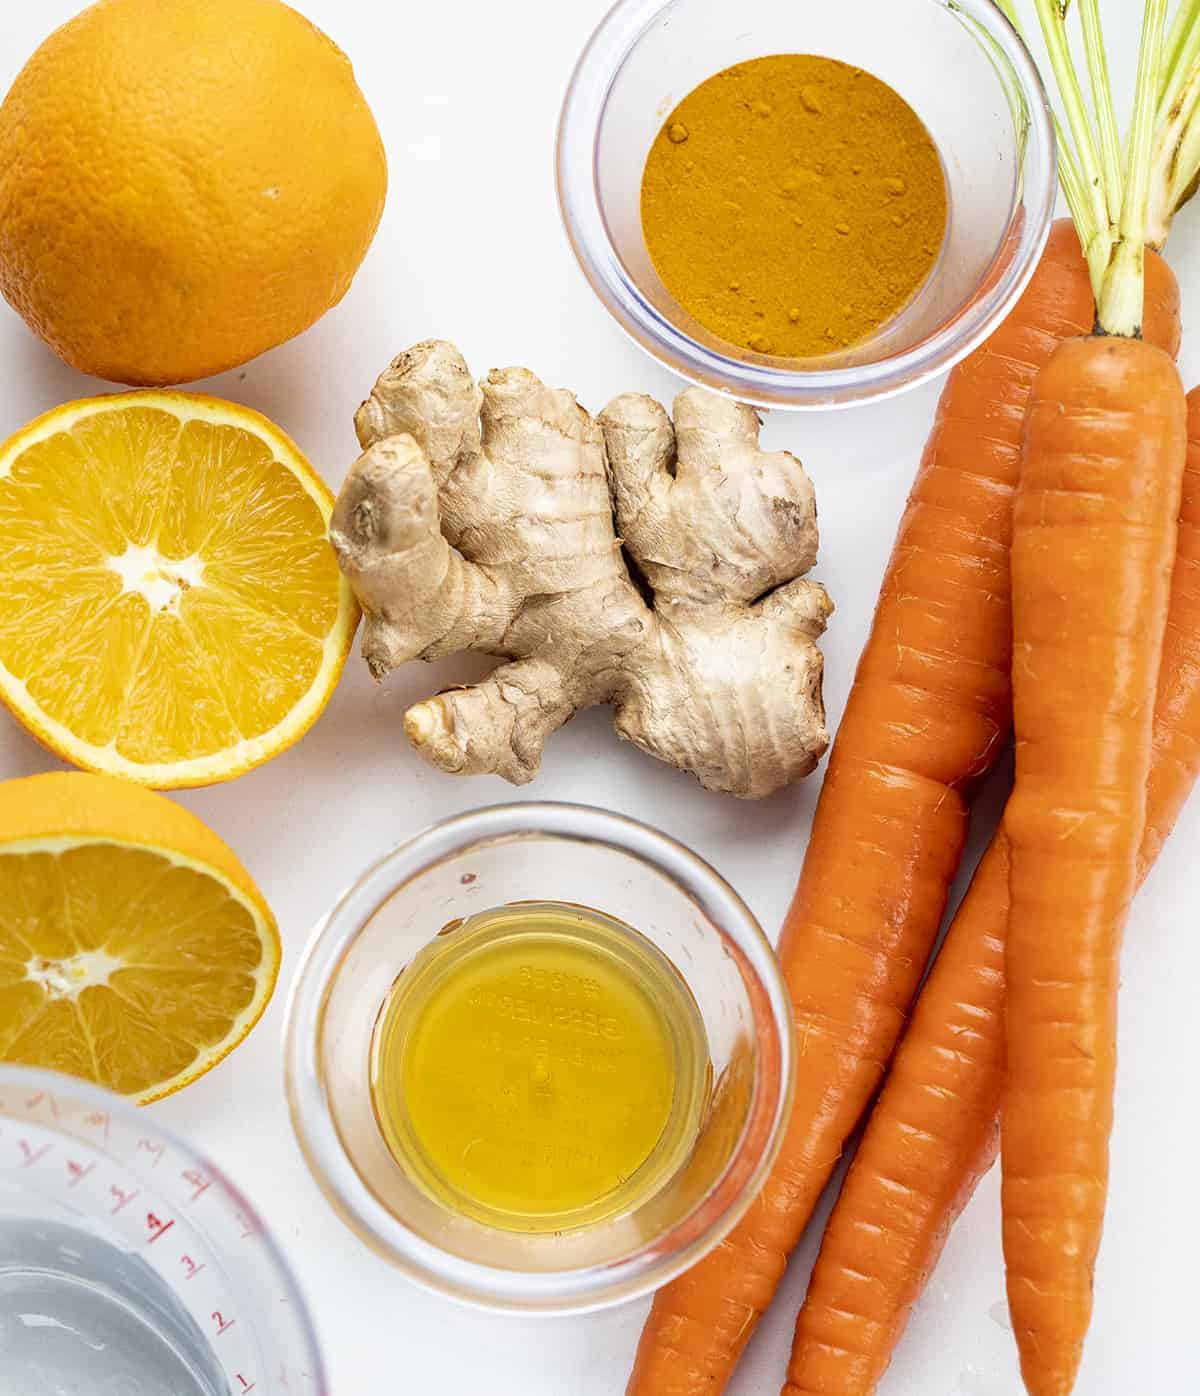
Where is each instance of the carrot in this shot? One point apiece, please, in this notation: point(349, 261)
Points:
point(934, 1132)
point(1094, 539)
point(1093, 543)
point(932, 1135)
point(928, 714)
point(1092, 549)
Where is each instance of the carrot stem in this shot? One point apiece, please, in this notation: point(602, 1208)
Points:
point(1180, 53)
point(1102, 104)
point(1176, 155)
point(1093, 221)
point(1119, 304)
point(1068, 171)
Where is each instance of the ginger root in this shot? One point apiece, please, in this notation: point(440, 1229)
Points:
point(481, 517)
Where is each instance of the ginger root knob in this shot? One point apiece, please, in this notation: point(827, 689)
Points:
point(499, 517)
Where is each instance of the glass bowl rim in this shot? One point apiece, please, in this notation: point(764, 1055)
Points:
point(761, 384)
point(492, 1288)
point(90, 1095)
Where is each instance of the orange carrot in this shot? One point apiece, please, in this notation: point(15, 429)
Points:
point(1093, 545)
point(928, 714)
point(1094, 539)
point(935, 1129)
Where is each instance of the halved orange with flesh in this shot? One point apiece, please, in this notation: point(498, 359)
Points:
point(170, 608)
point(135, 950)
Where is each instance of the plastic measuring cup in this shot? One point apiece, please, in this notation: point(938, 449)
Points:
point(74, 1156)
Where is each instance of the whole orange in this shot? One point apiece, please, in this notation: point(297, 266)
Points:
point(183, 185)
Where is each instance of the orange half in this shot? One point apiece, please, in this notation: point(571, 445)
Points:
point(170, 608)
point(135, 950)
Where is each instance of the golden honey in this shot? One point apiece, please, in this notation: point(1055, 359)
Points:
point(540, 1066)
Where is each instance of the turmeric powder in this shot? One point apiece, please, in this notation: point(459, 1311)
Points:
point(793, 205)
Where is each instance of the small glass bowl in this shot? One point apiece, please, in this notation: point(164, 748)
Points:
point(961, 67)
point(555, 853)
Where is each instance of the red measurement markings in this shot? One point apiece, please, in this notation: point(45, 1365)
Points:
point(30, 1155)
point(98, 1119)
point(157, 1227)
point(148, 1146)
point(123, 1198)
point(190, 1268)
point(223, 1324)
point(78, 1171)
point(243, 1384)
point(41, 1098)
point(198, 1182)
point(249, 1227)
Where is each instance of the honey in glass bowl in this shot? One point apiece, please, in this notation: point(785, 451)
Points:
point(540, 1066)
point(540, 1057)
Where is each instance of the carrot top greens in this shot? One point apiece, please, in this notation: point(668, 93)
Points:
point(1123, 193)
point(1177, 144)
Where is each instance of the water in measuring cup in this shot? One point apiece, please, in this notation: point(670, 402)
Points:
point(79, 1317)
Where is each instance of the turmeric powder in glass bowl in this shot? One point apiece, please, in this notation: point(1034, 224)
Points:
point(947, 75)
point(794, 205)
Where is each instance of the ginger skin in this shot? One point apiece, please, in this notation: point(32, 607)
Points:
point(481, 517)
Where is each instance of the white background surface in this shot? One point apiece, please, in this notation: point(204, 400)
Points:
point(466, 94)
